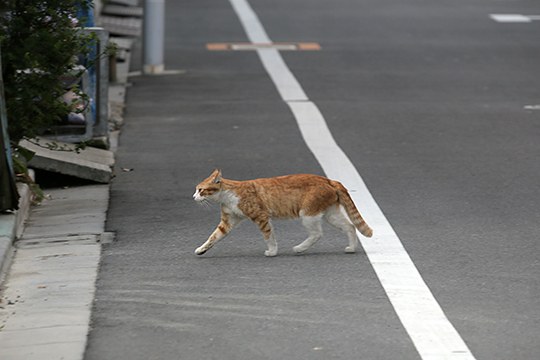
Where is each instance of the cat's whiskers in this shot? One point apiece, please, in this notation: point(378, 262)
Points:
point(206, 203)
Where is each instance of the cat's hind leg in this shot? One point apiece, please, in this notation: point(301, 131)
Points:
point(339, 220)
point(227, 223)
point(314, 228)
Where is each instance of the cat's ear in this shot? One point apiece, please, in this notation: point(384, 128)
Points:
point(217, 176)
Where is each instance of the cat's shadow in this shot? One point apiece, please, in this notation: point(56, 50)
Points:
point(284, 254)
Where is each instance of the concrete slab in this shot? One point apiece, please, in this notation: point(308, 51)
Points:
point(77, 210)
point(122, 43)
point(122, 69)
point(43, 351)
point(91, 163)
point(123, 47)
point(47, 297)
point(64, 239)
point(125, 2)
point(47, 318)
point(127, 26)
point(119, 10)
point(117, 96)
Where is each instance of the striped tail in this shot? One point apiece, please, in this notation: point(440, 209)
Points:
point(354, 215)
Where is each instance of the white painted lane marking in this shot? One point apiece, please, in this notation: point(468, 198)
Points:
point(250, 21)
point(430, 330)
point(286, 83)
point(280, 47)
point(512, 18)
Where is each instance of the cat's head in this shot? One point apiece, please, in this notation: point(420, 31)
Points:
point(209, 187)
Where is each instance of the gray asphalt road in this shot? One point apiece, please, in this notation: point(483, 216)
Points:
point(428, 99)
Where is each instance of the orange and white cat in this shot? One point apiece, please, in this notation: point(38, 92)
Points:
point(309, 197)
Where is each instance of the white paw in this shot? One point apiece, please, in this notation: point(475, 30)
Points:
point(350, 250)
point(200, 250)
point(270, 253)
point(299, 249)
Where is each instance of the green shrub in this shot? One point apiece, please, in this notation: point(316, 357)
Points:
point(40, 43)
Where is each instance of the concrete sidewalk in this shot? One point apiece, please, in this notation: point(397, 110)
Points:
point(47, 296)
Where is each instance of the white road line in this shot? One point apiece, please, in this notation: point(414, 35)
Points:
point(510, 18)
point(430, 330)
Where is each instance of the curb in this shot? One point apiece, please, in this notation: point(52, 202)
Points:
point(12, 226)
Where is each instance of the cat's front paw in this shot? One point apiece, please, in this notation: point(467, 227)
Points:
point(350, 250)
point(200, 250)
point(270, 253)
